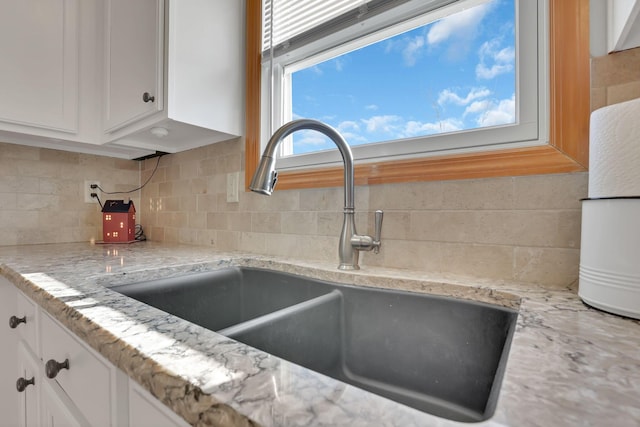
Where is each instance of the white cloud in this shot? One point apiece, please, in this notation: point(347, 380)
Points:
point(373, 107)
point(494, 60)
point(458, 25)
point(449, 96)
point(348, 125)
point(387, 124)
point(415, 128)
point(412, 50)
point(503, 112)
point(310, 138)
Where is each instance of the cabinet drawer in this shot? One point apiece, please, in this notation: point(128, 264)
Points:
point(89, 381)
point(26, 309)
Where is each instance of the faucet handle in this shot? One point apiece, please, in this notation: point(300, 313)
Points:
point(377, 236)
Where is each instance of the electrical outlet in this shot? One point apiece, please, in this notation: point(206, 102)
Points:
point(232, 187)
point(87, 190)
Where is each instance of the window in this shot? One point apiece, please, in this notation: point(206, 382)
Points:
point(569, 93)
point(417, 79)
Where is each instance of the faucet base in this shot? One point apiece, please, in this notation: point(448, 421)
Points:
point(348, 267)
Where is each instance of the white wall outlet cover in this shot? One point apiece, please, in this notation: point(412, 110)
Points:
point(87, 190)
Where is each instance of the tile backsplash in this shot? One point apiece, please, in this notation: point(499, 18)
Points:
point(515, 228)
point(524, 229)
point(42, 193)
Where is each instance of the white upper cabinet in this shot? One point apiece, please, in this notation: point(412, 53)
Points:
point(134, 36)
point(174, 73)
point(623, 24)
point(74, 74)
point(39, 47)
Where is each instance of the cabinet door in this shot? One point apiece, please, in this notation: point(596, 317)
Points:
point(39, 47)
point(58, 410)
point(134, 36)
point(147, 411)
point(9, 397)
point(28, 369)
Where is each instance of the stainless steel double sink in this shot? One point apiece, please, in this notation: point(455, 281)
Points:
point(440, 355)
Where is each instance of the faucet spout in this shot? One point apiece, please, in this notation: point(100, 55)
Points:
point(265, 178)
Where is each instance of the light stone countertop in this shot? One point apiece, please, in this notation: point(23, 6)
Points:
point(568, 364)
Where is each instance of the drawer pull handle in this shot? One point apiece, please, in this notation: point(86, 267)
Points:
point(146, 97)
point(15, 321)
point(52, 368)
point(22, 384)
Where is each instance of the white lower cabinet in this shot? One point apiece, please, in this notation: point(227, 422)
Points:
point(51, 378)
point(146, 411)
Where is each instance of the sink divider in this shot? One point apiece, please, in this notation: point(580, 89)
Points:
point(249, 325)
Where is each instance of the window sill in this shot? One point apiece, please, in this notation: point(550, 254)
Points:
point(570, 108)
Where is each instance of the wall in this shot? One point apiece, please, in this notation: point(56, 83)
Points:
point(524, 229)
point(42, 193)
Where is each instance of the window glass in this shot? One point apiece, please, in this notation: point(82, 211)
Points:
point(455, 74)
point(416, 79)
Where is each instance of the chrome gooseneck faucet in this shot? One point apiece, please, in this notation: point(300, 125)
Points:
point(266, 176)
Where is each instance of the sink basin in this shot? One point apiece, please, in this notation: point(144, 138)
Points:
point(440, 355)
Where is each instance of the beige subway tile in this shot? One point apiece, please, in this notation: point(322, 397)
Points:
point(284, 245)
point(198, 220)
point(252, 242)
point(207, 202)
point(395, 225)
point(406, 196)
point(569, 229)
point(165, 189)
point(408, 254)
point(227, 240)
point(550, 267)
point(198, 186)
point(266, 222)
point(18, 184)
point(321, 248)
point(329, 223)
point(322, 199)
point(491, 193)
point(58, 187)
point(444, 226)
point(560, 191)
point(124, 164)
point(8, 237)
point(13, 218)
point(516, 228)
point(64, 218)
point(15, 151)
point(156, 234)
point(30, 202)
point(483, 261)
point(615, 68)
point(300, 222)
point(171, 234)
point(189, 203)
point(217, 220)
point(59, 156)
point(240, 221)
point(623, 92)
point(170, 204)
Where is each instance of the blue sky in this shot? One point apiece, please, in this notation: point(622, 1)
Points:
point(454, 74)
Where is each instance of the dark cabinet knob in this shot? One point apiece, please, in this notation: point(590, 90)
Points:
point(52, 367)
point(22, 383)
point(146, 97)
point(15, 321)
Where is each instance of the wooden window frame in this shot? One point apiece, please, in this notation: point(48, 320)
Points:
point(567, 151)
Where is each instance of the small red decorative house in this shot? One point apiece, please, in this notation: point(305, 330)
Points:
point(118, 221)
